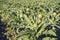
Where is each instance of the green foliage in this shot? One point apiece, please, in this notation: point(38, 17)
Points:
point(29, 19)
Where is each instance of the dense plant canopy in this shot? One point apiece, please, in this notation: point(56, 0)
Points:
point(30, 19)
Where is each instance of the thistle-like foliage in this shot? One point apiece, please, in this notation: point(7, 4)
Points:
point(30, 19)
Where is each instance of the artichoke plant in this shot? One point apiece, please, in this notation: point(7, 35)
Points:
point(30, 19)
